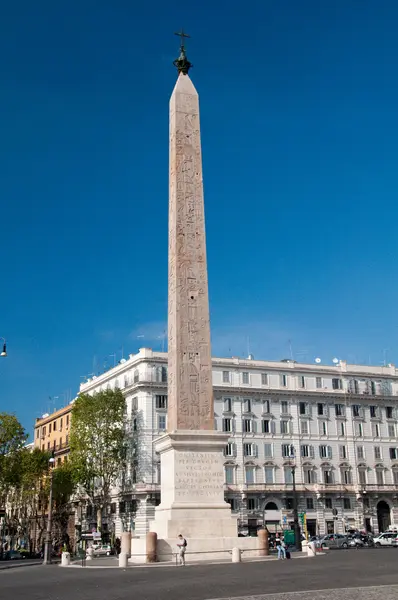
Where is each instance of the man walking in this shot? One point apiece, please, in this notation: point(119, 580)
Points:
point(181, 545)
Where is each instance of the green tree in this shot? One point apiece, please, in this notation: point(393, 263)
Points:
point(12, 440)
point(63, 489)
point(98, 445)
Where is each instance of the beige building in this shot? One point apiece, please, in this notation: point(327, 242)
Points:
point(52, 433)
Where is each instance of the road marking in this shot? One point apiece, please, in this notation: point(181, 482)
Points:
point(306, 592)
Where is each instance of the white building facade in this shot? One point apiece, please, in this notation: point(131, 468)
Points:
point(341, 422)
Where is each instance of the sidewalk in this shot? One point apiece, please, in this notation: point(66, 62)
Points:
point(15, 564)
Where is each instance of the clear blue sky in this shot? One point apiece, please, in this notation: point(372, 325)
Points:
point(299, 130)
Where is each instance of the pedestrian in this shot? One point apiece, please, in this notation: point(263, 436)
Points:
point(280, 546)
point(181, 545)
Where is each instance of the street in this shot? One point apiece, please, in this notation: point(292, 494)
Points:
point(340, 569)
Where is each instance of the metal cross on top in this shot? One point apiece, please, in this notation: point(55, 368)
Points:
point(182, 35)
point(182, 63)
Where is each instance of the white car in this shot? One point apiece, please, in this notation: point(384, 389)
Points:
point(102, 549)
point(386, 539)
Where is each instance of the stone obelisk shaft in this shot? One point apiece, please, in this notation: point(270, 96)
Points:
point(190, 391)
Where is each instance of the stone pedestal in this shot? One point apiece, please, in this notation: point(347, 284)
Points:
point(192, 498)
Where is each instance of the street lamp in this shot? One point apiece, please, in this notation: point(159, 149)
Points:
point(47, 545)
point(4, 351)
point(296, 525)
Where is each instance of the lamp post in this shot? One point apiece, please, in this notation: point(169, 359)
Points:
point(3, 353)
point(47, 545)
point(296, 525)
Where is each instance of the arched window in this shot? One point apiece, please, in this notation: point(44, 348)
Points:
point(271, 506)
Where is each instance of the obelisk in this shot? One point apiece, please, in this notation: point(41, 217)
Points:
point(190, 390)
point(191, 452)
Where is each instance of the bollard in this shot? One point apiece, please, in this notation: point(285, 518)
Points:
point(123, 560)
point(311, 550)
point(263, 538)
point(65, 559)
point(151, 541)
point(126, 543)
point(90, 553)
point(236, 557)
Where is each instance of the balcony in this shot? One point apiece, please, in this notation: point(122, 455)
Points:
point(287, 488)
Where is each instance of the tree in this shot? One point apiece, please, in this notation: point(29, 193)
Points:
point(63, 489)
point(12, 440)
point(98, 445)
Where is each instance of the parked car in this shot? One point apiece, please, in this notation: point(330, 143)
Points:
point(102, 550)
point(355, 541)
point(13, 555)
point(385, 539)
point(334, 540)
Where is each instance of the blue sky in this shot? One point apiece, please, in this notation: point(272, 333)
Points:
point(299, 132)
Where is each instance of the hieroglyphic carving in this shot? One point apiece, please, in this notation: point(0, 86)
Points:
point(189, 382)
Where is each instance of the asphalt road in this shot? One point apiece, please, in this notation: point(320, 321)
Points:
point(375, 570)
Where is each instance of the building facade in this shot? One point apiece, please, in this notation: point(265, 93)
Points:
point(51, 433)
point(337, 425)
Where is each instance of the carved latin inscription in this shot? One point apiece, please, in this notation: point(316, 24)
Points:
point(198, 475)
point(190, 404)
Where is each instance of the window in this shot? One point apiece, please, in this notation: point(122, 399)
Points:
point(66, 440)
point(233, 503)
point(303, 408)
point(284, 407)
point(227, 425)
point(247, 405)
point(337, 384)
point(339, 410)
point(377, 451)
point(268, 451)
point(67, 420)
point(391, 430)
point(283, 380)
point(346, 477)
point(341, 428)
point(321, 409)
point(264, 379)
point(325, 452)
point(225, 377)
point(49, 428)
point(60, 442)
point(247, 425)
point(307, 451)
point(342, 452)
point(310, 503)
point(252, 504)
point(395, 476)
point(229, 450)
point(362, 476)
point(389, 412)
point(245, 377)
point(360, 453)
point(289, 503)
point(54, 426)
point(136, 376)
point(309, 476)
point(249, 450)
point(373, 388)
point(354, 387)
point(265, 426)
point(269, 474)
point(249, 475)
point(323, 428)
point(347, 503)
point(304, 427)
point(379, 476)
point(163, 374)
point(227, 404)
point(37, 433)
point(318, 382)
point(58, 461)
point(285, 427)
point(301, 381)
point(161, 401)
point(328, 478)
point(161, 422)
point(358, 429)
point(60, 424)
point(122, 507)
point(373, 412)
point(48, 445)
point(375, 430)
point(328, 503)
point(356, 410)
point(286, 450)
point(266, 407)
point(393, 453)
point(288, 475)
point(230, 475)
